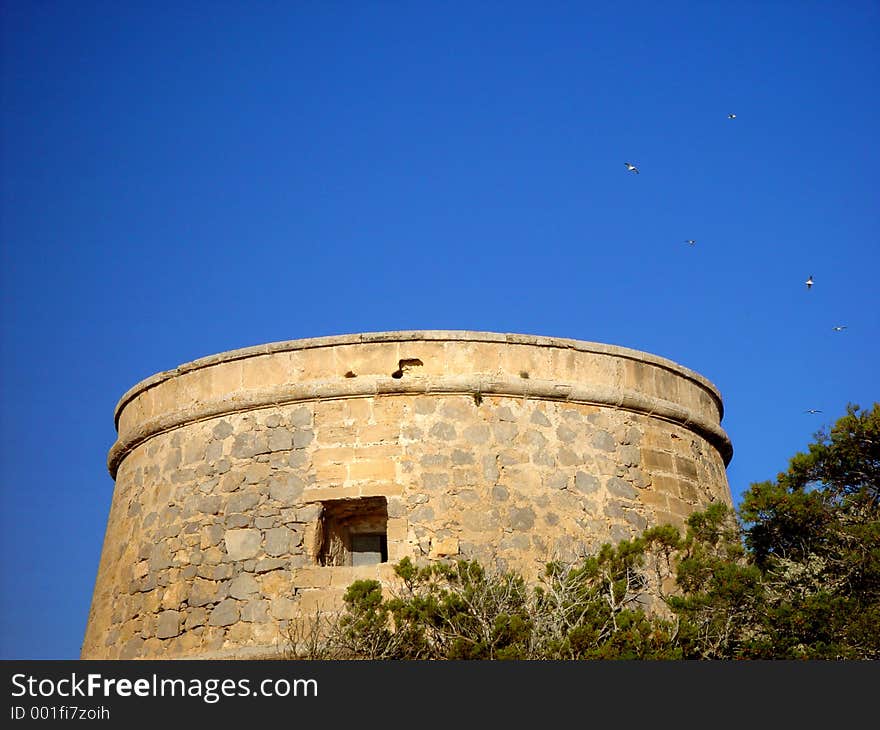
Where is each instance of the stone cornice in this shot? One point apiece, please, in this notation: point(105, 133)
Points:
point(425, 336)
point(377, 386)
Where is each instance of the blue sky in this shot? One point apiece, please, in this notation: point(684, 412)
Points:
point(182, 178)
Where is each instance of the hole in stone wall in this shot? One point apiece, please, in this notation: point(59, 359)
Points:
point(524, 374)
point(350, 374)
point(478, 398)
point(353, 532)
point(405, 364)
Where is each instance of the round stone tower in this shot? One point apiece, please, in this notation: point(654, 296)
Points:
point(253, 486)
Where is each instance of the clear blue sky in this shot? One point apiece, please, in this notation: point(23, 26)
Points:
point(182, 178)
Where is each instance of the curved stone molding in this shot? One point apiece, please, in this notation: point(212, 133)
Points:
point(235, 473)
point(605, 390)
point(586, 394)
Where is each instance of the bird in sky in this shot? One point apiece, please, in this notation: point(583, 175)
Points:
point(690, 242)
point(631, 168)
point(809, 282)
point(731, 116)
point(839, 328)
point(812, 410)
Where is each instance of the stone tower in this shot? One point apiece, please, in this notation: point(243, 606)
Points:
point(253, 486)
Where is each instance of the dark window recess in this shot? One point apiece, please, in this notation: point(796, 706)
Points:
point(353, 532)
point(369, 548)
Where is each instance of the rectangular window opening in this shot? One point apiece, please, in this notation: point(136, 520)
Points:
point(353, 532)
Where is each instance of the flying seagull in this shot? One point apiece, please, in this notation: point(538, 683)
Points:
point(839, 328)
point(631, 168)
point(812, 410)
point(809, 282)
point(731, 116)
point(690, 242)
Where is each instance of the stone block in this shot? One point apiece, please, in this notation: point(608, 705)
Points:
point(265, 371)
point(279, 541)
point(286, 489)
point(224, 613)
point(604, 441)
point(396, 529)
point(280, 439)
point(477, 434)
point(333, 455)
point(242, 544)
point(685, 468)
point(168, 624)
point(314, 577)
point(255, 611)
point(521, 518)
point(567, 457)
point(372, 470)
point(257, 473)
point(586, 483)
point(244, 586)
point(202, 592)
point(619, 488)
point(376, 433)
point(653, 499)
point(330, 474)
point(442, 431)
point(654, 460)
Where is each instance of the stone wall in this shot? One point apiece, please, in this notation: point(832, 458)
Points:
point(506, 448)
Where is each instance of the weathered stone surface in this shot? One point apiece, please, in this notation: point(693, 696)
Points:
point(586, 483)
point(242, 502)
point(257, 472)
point(567, 457)
point(222, 430)
point(280, 440)
point(636, 520)
point(286, 489)
point(604, 440)
point(132, 649)
point(505, 432)
point(309, 513)
point(442, 431)
point(282, 608)
point(539, 418)
point(460, 456)
point(243, 446)
point(214, 451)
point(628, 455)
point(211, 535)
point(224, 613)
point(168, 624)
point(521, 518)
point(301, 416)
point(445, 547)
point(195, 617)
point(238, 520)
point(476, 434)
point(619, 488)
point(243, 587)
point(279, 541)
point(267, 564)
point(479, 521)
point(242, 544)
point(255, 611)
point(202, 592)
